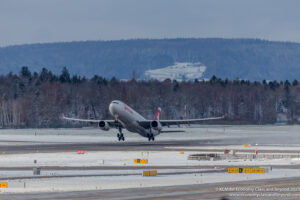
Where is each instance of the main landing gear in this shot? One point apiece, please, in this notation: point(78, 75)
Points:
point(151, 137)
point(120, 135)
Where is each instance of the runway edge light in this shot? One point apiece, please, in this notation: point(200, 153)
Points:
point(80, 152)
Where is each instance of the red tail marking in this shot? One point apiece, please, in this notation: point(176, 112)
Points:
point(157, 114)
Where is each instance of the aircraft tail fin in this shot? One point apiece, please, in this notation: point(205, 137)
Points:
point(157, 114)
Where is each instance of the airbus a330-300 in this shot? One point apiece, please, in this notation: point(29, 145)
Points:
point(126, 117)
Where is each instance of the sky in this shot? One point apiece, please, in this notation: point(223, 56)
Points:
point(39, 21)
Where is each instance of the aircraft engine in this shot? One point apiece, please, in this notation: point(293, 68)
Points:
point(156, 125)
point(103, 125)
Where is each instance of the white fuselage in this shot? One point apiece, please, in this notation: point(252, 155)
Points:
point(129, 118)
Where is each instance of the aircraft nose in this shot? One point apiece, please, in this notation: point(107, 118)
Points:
point(112, 108)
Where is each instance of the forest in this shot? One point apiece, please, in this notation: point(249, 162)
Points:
point(38, 99)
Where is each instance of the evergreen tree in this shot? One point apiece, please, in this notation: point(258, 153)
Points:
point(295, 82)
point(65, 76)
point(25, 72)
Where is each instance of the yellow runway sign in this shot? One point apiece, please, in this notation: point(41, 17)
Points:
point(3, 184)
point(150, 173)
point(142, 160)
point(246, 170)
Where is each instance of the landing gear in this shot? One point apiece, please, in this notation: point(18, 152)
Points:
point(120, 135)
point(151, 137)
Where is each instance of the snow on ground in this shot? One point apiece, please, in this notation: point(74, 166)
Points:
point(111, 158)
point(119, 182)
point(241, 147)
point(275, 135)
point(92, 135)
point(214, 137)
point(178, 71)
point(26, 173)
point(121, 158)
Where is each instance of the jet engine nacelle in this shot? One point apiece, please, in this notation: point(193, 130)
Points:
point(156, 125)
point(103, 125)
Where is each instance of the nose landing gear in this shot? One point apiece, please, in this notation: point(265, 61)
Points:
point(120, 135)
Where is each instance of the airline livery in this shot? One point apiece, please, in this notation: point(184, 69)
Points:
point(126, 117)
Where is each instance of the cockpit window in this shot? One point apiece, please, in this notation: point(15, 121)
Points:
point(115, 102)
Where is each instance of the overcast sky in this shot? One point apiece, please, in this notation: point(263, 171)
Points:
point(36, 21)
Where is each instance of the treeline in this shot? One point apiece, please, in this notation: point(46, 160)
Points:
point(38, 99)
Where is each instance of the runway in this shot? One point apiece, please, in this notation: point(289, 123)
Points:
point(104, 146)
point(61, 140)
point(185, 145)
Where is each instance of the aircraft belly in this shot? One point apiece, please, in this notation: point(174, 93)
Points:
point(135, 128)
point(129, 121)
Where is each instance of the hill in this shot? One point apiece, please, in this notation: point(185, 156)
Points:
point(251, 59)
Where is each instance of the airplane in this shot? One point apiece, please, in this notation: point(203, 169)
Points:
point(126, 117)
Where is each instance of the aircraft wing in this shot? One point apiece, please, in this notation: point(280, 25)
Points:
point(111, 123)
point(146, 123)
point(187, 121)
point(173, 131)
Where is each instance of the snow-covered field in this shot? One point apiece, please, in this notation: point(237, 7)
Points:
point(178, 71)
point(285, 138)
point(136, 181)
point(125, 158)
point(275, 135)
point(111, 158)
